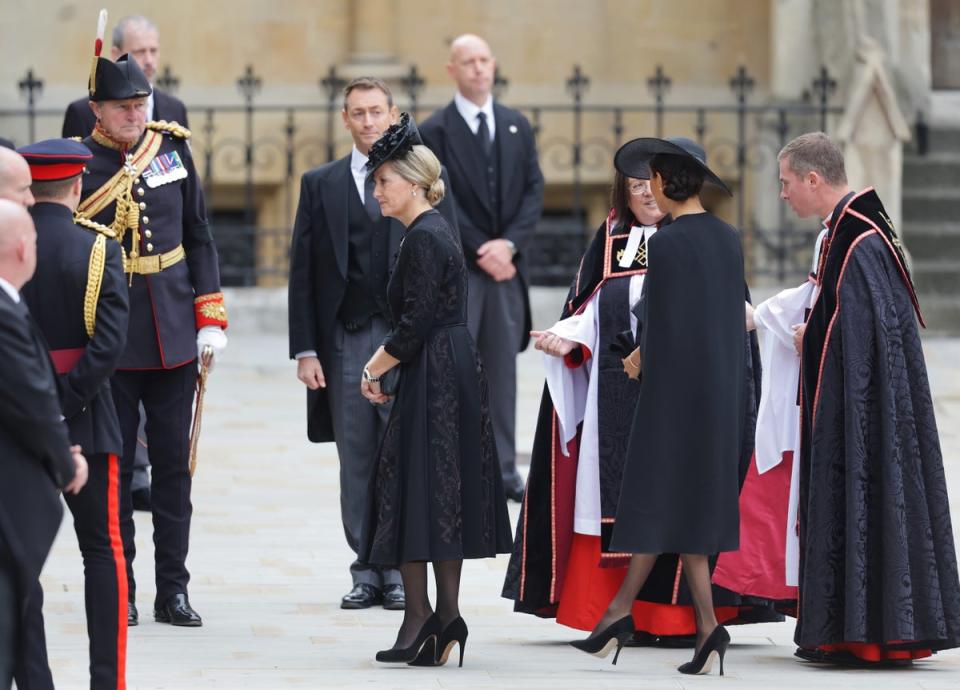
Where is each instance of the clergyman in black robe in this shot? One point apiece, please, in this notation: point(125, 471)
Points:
point(878, 571)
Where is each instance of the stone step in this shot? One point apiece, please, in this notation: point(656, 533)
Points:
point(931, 240)
point(944, 139)
point(931, 205)
point(939, 277)
point(941, 314)
point(941, 171)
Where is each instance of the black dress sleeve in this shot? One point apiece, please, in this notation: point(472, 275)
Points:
point(421, 267)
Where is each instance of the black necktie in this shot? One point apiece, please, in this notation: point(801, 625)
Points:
point(371, 204)
point(483, 134)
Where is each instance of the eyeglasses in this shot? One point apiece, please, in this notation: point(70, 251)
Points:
point(638, 188)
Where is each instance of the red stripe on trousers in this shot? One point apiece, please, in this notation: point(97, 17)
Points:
point(116, 545)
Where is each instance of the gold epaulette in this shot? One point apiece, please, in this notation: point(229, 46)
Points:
point(98, 259)
point(174, 128)
point(75, 138)
point(99, 228)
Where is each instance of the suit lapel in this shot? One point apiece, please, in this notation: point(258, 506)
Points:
point(333, 192)
point(466, 154)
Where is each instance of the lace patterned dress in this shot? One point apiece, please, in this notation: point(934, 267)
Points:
point(436, 492)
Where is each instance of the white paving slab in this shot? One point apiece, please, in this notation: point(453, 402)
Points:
point(269, 566)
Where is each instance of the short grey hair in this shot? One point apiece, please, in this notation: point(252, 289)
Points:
point(120, 30)
point(815, 152)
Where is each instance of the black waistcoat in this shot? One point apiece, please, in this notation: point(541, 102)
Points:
point(367, 263)
point(493, 181)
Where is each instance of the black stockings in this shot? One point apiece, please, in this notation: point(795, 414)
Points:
point(696, 568)
point(418, 608)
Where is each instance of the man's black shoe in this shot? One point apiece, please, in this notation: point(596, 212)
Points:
point(141, 500)
point(176, 610)
point(394, 598)
point(362, 596)
point(133, 617)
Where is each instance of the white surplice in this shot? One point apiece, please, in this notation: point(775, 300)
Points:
point(778, 417)
point(574, 392)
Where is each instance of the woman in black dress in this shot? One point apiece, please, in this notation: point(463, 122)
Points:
point(436, 494)
point(680, 482)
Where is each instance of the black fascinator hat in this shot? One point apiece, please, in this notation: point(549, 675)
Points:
point(633, 158)
point(395, 143)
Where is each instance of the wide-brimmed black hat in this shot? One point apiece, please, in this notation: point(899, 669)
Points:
point(633, 158)
point(120, 80)
point(395, 143)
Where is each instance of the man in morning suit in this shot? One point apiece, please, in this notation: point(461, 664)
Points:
point(36, 458)
point(491, 154)
point(138, 37)
point(142, 183)
point(78, 299)
point(340, 260)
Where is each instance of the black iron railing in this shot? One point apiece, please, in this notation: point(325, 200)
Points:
point(247, 145)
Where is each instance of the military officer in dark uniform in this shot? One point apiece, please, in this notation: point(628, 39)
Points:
point(143, 185)
point(79, 301)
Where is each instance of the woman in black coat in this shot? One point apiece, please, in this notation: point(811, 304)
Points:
point(680, 483)
point(436, 493)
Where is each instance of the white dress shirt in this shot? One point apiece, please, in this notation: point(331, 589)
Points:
point(469, 110)
point(10, 290)
point(358, 166)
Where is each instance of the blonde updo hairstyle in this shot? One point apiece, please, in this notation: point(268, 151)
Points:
point(420, 167)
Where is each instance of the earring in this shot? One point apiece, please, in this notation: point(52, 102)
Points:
point(413, 192)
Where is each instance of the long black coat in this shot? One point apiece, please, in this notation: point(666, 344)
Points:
point(436, 493)
point(681, 479)
point(35, 459)
point(521, 184)
point(55, 296)
point(318, 271)
point(79, 119)
point(877, 556)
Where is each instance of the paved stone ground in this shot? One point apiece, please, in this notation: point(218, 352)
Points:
point(269, 566)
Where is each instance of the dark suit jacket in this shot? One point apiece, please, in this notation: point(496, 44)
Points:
point(79, 120)
point(521, 183)
point(55, 296)
point(35, 459)
point(318, 271)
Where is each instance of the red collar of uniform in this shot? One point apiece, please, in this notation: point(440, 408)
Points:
point(100, 136)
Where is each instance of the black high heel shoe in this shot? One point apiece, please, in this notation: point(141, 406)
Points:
point(601, 644)
point(714, 647)
point(455, 633)
point(425, 643)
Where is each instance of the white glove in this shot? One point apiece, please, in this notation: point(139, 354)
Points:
point(215, 338)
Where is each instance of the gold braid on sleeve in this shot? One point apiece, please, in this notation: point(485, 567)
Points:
point(98, 259)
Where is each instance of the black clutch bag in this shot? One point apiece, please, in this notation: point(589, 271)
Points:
point(390, 382)
point(623, 344)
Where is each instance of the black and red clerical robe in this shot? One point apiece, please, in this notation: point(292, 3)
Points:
point(557, 572)
point(878, 569)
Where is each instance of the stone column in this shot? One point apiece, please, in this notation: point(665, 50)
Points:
point(792, 37)
point(873, 130)
point(373, 40)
